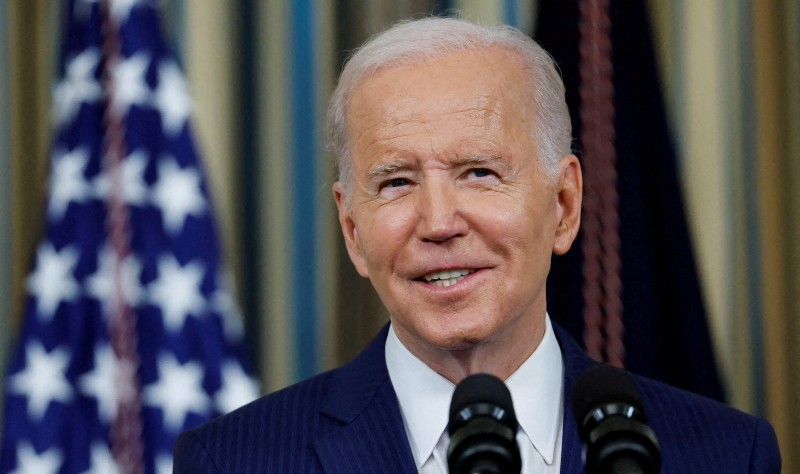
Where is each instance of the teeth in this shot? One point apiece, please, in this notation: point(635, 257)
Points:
point(447, 277)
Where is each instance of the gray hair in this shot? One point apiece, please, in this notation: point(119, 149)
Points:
point(413, 41)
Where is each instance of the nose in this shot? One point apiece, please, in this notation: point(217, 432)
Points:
point(440, 211)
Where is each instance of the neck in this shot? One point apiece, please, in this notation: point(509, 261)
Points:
point(501, 356)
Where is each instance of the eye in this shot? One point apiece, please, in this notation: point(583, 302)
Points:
point(396, 183)
point(480, 172)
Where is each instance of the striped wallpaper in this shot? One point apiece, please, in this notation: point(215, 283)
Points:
point(293, 188)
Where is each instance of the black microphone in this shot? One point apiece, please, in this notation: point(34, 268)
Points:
point(612, 424)
point(482, 428)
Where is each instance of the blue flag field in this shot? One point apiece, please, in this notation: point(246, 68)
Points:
point(130, 334)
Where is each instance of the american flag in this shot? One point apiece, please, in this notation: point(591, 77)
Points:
point(130, 335)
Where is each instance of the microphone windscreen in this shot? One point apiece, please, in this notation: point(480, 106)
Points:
point(612, 423)
point(603, 384)
point(484, 389)
point(483, 428)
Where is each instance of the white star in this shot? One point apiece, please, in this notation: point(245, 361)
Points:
point(164, 463)
point(171, 97)
point(178, 391)
point(121, 10)
point(43, 380)
point(28, 461)
point(177, 194)
point(100, 383)
point(131, 182)
point(223, 304)
point(102, 461)
point(177, 291)
point(130, 87)
point(102, 284)
point(52, 282)
point(77, 87)
point(67, 183)
point(237, 388)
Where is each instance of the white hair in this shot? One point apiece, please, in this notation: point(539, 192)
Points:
point(413, 41)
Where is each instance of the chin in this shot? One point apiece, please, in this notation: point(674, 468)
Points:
point(458, 339)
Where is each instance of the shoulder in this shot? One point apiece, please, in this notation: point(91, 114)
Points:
point(278, 432)
point(281, 425)
point(292, 405)
point(696, 434)
point(696, 431)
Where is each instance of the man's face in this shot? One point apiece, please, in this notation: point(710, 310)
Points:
point(452, 217)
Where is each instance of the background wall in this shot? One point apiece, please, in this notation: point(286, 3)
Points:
point(260, 74)
point(730, 70)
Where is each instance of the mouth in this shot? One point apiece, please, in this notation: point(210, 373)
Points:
point(446, 278)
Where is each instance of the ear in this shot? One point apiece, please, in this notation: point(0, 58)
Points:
point(349, 231)
point(569, 195)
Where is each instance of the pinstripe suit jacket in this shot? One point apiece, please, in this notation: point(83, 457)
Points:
point(348, 421)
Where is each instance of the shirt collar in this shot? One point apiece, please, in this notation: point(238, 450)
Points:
point(537, 390)
point(424, 396)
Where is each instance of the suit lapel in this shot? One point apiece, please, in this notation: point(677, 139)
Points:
point(575, 362)
point(371, 437)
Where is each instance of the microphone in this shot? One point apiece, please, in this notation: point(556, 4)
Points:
point(612, 424)
point(482, 428)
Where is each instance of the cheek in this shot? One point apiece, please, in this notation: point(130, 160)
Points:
point(384, 234)
point(526, 230)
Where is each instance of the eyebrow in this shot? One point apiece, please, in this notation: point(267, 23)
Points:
point(476, 160)
point(497, 161)
point(381, 170)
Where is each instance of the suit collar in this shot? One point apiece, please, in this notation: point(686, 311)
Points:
point(354, 386)
point(575, 362)
point(362, 398)
point(371, 435)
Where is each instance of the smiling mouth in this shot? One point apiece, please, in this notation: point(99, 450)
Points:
point(446, 278)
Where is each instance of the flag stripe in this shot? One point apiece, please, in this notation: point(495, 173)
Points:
point(126, 427)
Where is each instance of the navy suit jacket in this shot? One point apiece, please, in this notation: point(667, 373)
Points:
point(348, 421)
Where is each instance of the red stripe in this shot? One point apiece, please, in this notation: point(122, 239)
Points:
point(126, 428)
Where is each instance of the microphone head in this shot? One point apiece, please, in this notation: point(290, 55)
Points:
point(612, 423)
point(482, 428)
point(604, 385)
point(476, 394)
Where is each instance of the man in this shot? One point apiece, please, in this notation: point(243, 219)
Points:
point(456, 186)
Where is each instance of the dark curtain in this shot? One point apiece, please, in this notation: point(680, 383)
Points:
point(666, 332)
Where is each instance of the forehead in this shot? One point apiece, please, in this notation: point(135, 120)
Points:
point(486, 89)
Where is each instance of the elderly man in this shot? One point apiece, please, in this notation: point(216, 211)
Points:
point(456, 185)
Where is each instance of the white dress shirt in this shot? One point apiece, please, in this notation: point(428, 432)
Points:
point(536, 390)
